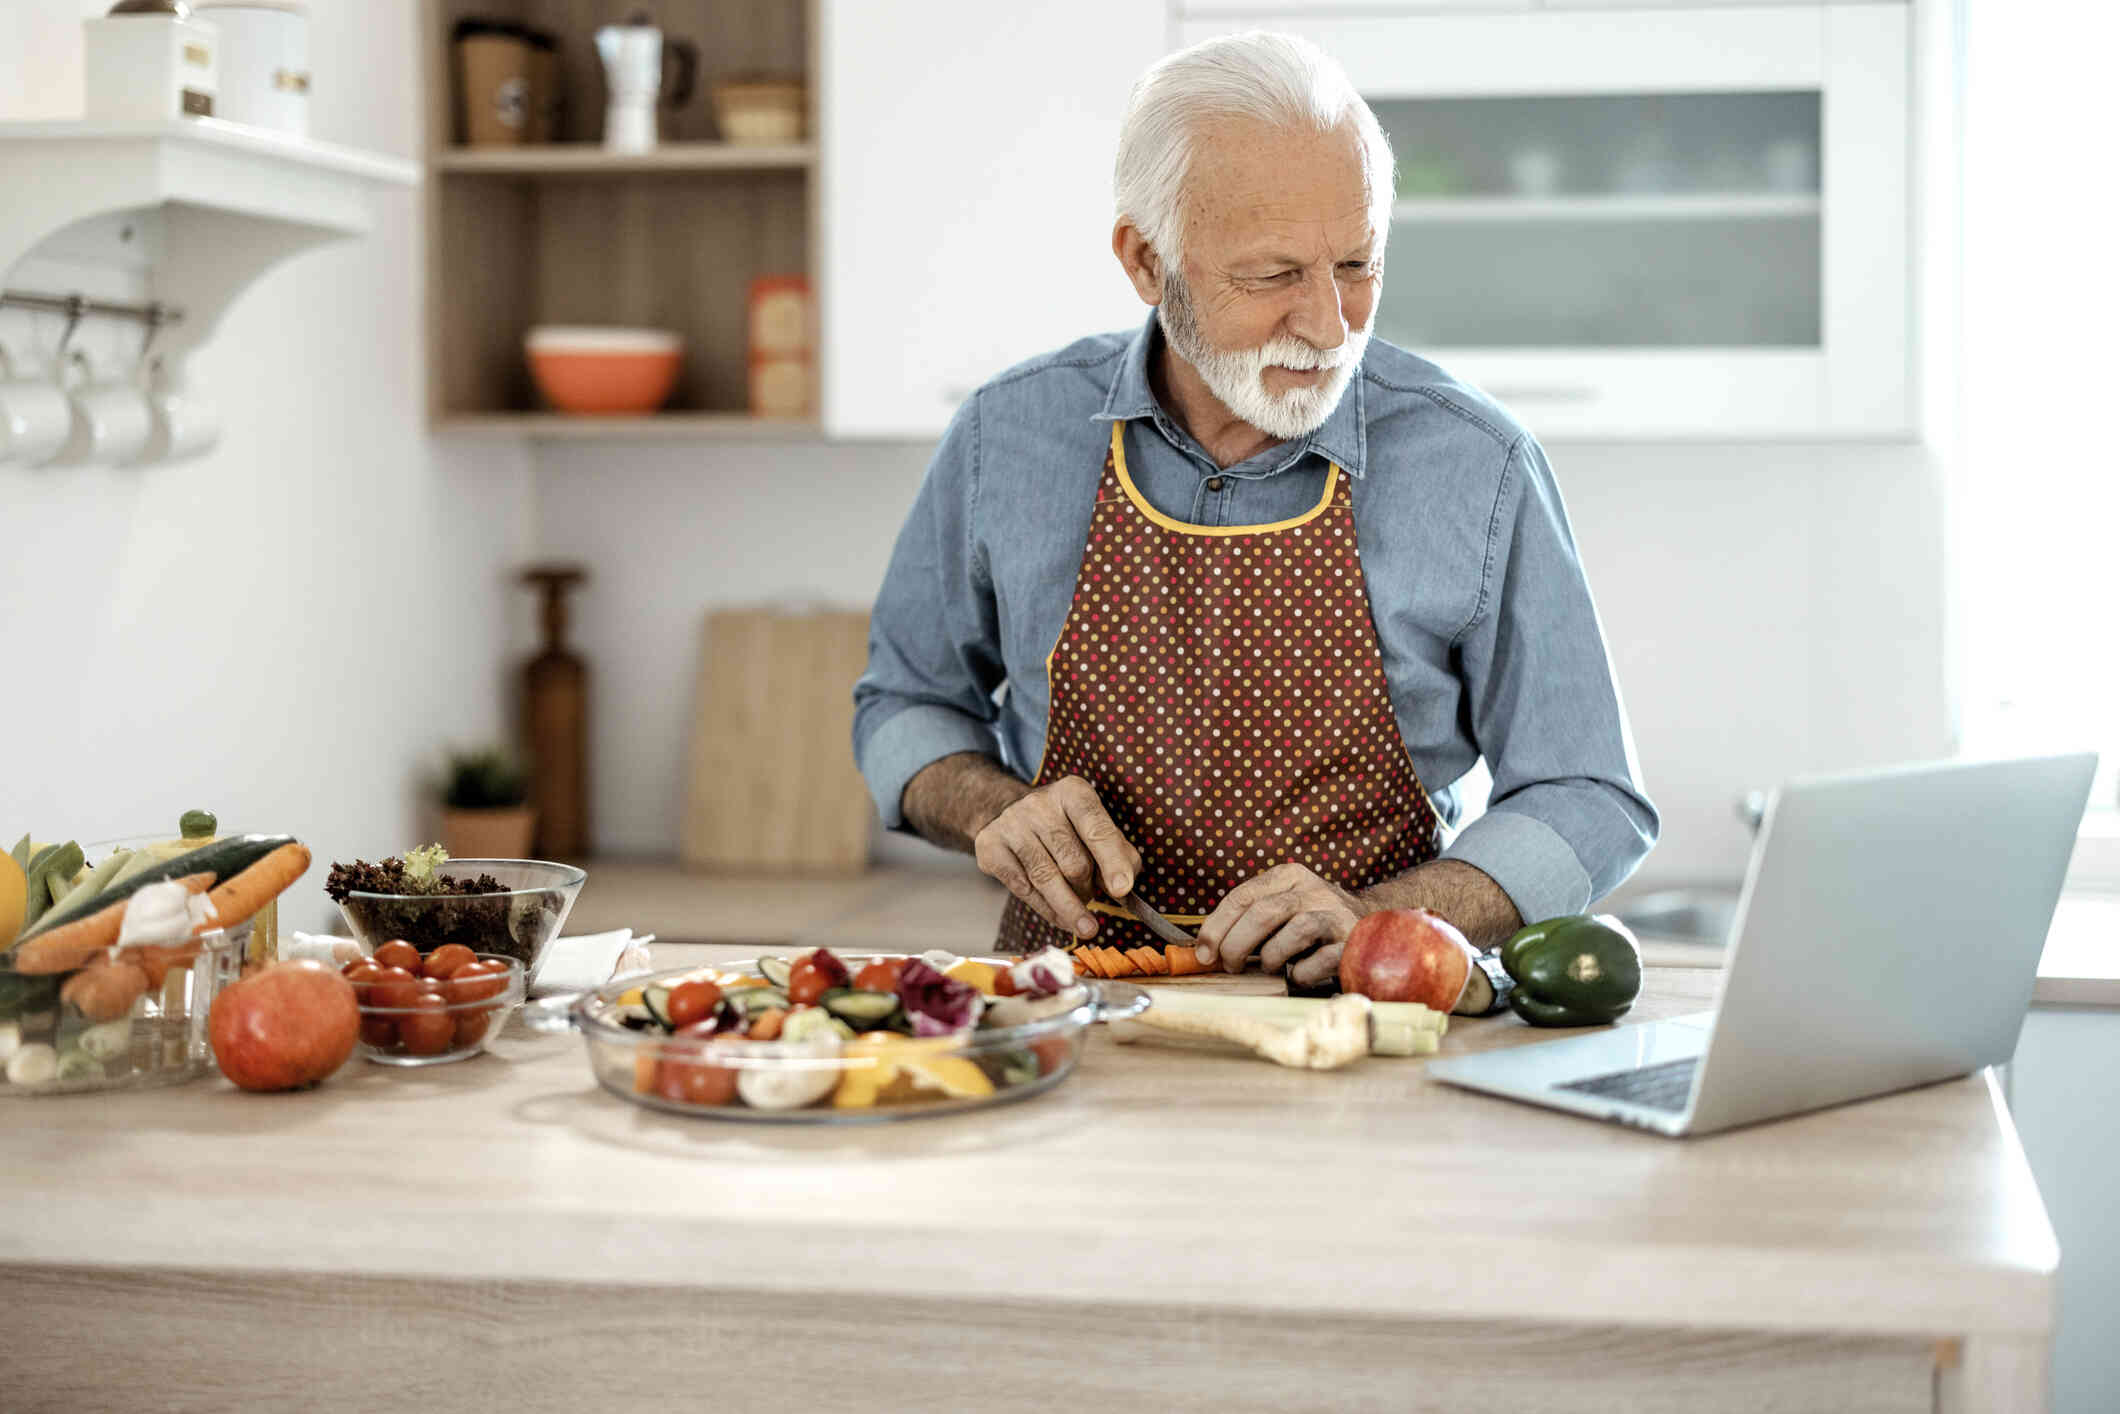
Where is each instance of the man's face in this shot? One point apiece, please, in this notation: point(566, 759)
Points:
point(1281, 273)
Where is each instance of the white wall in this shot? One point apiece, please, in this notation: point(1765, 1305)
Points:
point(1772, 610)
point(289, 629)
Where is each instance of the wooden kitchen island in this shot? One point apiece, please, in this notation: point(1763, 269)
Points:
point(1174, 1228)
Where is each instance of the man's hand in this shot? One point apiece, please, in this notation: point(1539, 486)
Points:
point(1049, 849)
point(1281, 914)
point(1288, 909)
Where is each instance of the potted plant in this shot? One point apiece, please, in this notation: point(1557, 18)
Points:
point(485, 807)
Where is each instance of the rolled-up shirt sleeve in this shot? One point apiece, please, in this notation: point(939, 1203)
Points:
point(1567, 820)
point(935, 656)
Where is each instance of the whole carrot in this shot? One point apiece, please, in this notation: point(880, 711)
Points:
point(71, 944)
point(237, 898)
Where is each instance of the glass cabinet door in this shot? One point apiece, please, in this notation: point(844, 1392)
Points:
point(1631, 221)
point(1646, 223)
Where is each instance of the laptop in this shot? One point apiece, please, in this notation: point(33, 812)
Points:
point(1888, 936)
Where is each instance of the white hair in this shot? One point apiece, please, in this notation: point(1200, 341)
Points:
point(1275, 79)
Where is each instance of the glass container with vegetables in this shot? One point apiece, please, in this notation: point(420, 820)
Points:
point(111, 954)
point(820, 1038)
point(513, 907)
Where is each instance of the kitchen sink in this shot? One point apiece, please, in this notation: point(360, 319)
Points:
point(1690, 915)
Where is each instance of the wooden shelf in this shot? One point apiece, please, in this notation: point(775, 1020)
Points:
point(569, 233)
point(1689, 206)
point(660, 426)
point(186, 211)
point(588, 159)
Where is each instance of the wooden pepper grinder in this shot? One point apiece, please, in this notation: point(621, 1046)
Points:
point(556, 723)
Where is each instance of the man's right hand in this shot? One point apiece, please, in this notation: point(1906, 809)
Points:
point(1050, 849)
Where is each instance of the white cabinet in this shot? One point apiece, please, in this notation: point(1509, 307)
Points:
point(1657, 223)
point(965, 206)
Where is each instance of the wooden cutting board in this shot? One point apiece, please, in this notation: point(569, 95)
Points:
point(771, 783)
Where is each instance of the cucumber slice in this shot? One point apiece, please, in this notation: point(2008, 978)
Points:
point(806, 1022)
point(656, 998)
point(776, 970)
point(860, 1009)
point(752, 1000)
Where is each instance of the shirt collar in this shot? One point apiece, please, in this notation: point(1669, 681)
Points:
point(1343, 440)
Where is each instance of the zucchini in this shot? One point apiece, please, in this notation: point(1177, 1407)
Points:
point(200, 825)
point(860, 1009)
point(656, 998)
point(775, 970)
point(223, 859)
point(752, 1000)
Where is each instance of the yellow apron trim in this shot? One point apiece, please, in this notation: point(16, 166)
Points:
point(1126, 483)
point(1098, 905)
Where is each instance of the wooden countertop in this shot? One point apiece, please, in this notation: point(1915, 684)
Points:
point(1160, 1173)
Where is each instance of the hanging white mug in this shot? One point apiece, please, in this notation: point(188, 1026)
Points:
point(112, 420)
point(186, 422)
point(35, 418)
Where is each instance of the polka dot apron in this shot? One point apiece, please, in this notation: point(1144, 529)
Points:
point(1222, 689)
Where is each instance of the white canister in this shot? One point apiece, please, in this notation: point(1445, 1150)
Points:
point(149, 59)
point(264, 62)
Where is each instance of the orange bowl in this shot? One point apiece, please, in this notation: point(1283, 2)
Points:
point(604, 371)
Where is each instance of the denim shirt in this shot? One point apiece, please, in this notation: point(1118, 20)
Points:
point(1489, 639)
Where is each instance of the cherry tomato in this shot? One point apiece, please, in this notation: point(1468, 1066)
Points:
point(379, 1032)
point(807, 982)
point(427, 1028)
point(692, 1082)
point(1052, 1053)
point(879, 976)
point(1005, 984)
point(476, 982)
point(362, 974)
point(446, 959)
point(692, 1001)
point(471, 1025)
point(398, 953)
point(395, 987)
point(766, 1025)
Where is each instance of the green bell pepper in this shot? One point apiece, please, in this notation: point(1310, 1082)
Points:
point(1573, 971)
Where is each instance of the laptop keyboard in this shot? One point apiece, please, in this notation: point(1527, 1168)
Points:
point(1664, 1086)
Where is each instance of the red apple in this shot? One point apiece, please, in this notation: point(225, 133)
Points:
point(287, 1026)
point(1407, 955)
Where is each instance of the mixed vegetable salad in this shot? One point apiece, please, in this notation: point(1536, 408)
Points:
point(811, 1031)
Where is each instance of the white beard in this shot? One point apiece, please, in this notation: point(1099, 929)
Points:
point(1238, 377)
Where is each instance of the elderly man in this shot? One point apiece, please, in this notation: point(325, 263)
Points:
point(1220, 611)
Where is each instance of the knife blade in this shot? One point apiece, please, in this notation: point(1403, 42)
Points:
point(1155, 922)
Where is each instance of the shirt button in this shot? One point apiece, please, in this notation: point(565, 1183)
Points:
point(1214, 483)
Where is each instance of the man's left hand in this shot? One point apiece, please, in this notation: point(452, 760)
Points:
point(1283, 913)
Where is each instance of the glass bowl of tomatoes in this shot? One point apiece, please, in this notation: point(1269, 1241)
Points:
point(821, 1038)
point(431, 1008)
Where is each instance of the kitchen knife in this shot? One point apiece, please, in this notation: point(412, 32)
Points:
point(1156, 923)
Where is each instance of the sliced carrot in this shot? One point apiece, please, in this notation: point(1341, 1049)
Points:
point(1158, 965)
point(1144, 958)
point(1117, 964)
point(1183, 961)
point(71, 944)
point(1086, 961)
point(237, 898)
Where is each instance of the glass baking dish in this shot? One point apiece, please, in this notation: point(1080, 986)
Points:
point(873, 1077)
